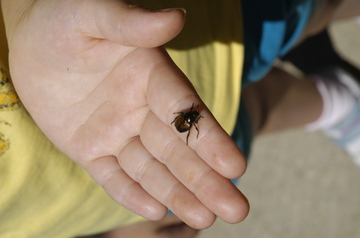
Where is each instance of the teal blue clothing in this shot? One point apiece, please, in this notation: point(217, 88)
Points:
point(271, 28)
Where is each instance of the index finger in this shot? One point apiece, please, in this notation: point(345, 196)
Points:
point(169, 91)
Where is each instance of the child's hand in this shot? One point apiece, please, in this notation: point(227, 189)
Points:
point(88, 73)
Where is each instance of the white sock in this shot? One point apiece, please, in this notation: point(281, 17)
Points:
point(338, 100)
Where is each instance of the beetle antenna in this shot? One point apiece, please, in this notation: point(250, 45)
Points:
point(192, 106)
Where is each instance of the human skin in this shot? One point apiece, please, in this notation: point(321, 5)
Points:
point(91, 75)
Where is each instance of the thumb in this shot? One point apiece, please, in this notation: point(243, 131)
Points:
point(131, 25)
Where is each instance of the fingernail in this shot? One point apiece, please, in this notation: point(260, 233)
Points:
point(173, 9)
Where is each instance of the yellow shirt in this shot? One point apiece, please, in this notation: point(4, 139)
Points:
point(45, 194)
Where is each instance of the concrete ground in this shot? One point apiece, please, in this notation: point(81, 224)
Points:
point(298, 183)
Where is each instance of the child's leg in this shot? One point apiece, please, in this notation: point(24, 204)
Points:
point(330, 102)
point(346, 9)
point(327, 11)
point(281, 101)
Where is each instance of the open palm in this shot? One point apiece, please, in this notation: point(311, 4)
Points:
point(93, 77)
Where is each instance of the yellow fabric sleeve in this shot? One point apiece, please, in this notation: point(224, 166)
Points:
point(45, 194)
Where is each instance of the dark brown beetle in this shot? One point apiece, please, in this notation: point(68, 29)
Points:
point(185, 120)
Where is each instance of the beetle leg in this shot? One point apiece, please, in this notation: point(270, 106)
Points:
point(192, 106)
point(196, 130)
point(187, 138)
point(197, 119)
point(174, 120)
point(195, 124)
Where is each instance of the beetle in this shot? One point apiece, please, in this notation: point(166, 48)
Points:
point(185, 120)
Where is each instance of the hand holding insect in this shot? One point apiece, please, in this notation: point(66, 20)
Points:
point(91, 80)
